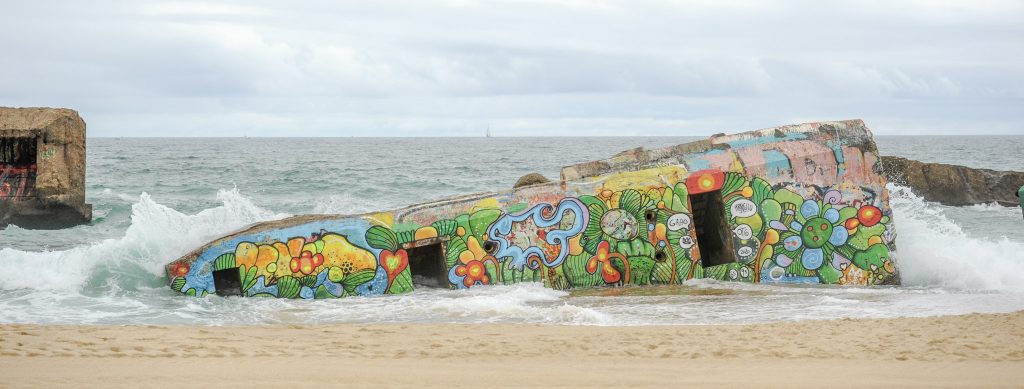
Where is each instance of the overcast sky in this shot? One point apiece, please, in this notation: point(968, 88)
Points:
point(566, 67)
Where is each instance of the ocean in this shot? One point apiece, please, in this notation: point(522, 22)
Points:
point(156, 199)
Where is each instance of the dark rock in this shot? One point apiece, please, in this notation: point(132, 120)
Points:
point(531, 179)
point(952, 184)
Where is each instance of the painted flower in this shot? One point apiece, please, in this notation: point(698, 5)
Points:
point(602, 261)
point(306, 262)
point(472, 273)
point(812, 235)
point(615, 217)
point(180, 269)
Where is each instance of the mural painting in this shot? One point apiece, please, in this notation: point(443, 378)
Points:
point(622, 228)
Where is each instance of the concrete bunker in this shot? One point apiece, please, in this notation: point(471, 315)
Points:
point(42, 168)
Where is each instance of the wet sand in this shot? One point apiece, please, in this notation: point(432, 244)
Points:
point(978, 350)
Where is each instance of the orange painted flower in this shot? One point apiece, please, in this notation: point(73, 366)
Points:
point(180, 269)
point(306, 262)
point(603, 261)
point(474, 272)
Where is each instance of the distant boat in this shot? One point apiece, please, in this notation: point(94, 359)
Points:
point(488, 131)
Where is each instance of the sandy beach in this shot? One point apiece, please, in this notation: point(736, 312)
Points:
point(978, 350)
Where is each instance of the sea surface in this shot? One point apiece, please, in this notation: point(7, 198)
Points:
point(156, 199)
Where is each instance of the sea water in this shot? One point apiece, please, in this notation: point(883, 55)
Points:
point(156, 199)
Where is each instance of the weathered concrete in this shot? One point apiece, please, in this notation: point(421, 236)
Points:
point(43, 184)
point(531, 179)
point(954, 185)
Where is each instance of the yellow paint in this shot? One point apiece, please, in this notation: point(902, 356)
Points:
point(771, 237)
point(339, 252)
point(874, 240)
point(650, 178)
point(245, 254)
point(425, 233)
point(386, 219)
point(460, 231)
point(575, 248)
point(474, 247)
point(488, 203)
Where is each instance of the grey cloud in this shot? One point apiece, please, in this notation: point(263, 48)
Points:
point(530, 68)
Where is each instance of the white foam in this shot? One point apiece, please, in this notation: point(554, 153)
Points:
point(933, 251)
point(157, 235)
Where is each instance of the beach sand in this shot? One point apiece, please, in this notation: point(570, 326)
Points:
point(978, 350)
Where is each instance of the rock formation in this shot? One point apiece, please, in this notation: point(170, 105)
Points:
point(531, 179)
point(952, 184)
point(42, 168)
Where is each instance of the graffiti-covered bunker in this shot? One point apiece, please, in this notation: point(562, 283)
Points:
point(42, 168)
point(794, 204)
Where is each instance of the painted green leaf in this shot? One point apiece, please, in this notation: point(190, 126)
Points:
point(876, 255)
point(733, 182)
point(716, 272)
point(445, 227)
point(787, 196)
point(248, 277)
point(859, 240)
point(480, 220)
point(191, 292)
point(762, 190)
point(575, 267)
point(455, 247)
point(771, 210)
point(288, 287)
point(323, 293)
point(178, 284)
point(308, 281)
point(381, 237)
point(402, 283)
point(224, 261)
point(358, 278)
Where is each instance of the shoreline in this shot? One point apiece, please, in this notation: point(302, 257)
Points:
point(968, 350)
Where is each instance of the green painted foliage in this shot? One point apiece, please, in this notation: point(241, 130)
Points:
point(402, 283)
point(381, 237)
point(178, 283)
point(322, 293)
point(480, 220)
point(733, 182)
point(575, 268)
point(353, 280)
point(224, 261)
point(248, 277)
point(445, 227)
point(640, 268)
point(455, 247)
point(288, 287)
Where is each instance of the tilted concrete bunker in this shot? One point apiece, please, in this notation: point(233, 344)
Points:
point(793, 204)
point(42, 168)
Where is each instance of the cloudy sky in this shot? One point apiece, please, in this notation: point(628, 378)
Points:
point(557, 67)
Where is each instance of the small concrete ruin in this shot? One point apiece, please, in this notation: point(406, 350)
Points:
point(42, 168)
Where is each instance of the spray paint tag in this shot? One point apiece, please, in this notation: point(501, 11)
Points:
point(743, 232)
point(686, 241)
point(678, 221)
point(743, 208)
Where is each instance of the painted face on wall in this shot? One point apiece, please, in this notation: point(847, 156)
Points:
point(816, 232)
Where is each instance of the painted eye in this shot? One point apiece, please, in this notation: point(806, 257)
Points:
point(824, 226)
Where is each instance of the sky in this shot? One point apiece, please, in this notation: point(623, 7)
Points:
point(520, 68)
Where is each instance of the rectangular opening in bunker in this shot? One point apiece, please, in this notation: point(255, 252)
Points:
point(227, 282)
point(713, 235)
point(17, 167)
point(427, 264)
